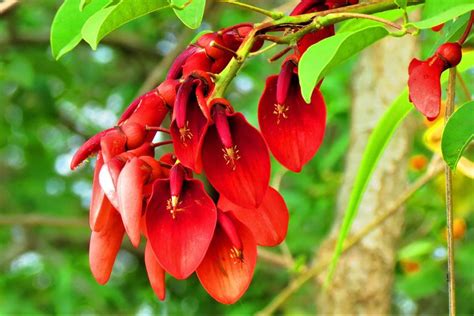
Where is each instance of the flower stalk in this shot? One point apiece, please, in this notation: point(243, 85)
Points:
point(449, 200)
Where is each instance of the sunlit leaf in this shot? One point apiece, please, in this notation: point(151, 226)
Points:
point(332, 51)
point(457, 134)
point(67, 25)
point(190, 13)
point(401, 3)
point(437, 12)
point(116, 15)
point(83, 4)
point(376, 144)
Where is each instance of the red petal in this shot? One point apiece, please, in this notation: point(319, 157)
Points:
point(100, 207)
point(104, 246)
point(150, 111)
point(224, 278)
point(156, 274)
point(245, 182)
point(90, 147)
point(112, 144)
point(180, 243)
point(424, 85)
point(176, 68)
point(130, 198)
point(197, 61)
point(268, 223)
point(295, 131)
point(188, 142)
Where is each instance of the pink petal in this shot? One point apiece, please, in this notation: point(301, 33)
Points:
point(180, 243)
point(268, 223)
point(294, 131)
point(245, 180)
point(225, 278)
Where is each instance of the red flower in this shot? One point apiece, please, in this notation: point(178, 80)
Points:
point(156, 274)
point(268, 222)
point(235, 157)
point(293, 129)
point(180, 219)
point(424, 78)
point(190, 121)
point(104, 246)
point(227, 269)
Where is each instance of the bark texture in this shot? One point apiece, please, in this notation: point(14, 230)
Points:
point(363, 281)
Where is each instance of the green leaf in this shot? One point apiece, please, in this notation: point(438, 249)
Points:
point(83, 4)
point(457, 134)
point(332, 51)
point(451, 31)
point(357, 24)
point(116, 15)
point(426, 282)
point(437, 12)
point(416, 249)
point(376, 144)
point(67, 25)
point(190, 14)
point(402, 4)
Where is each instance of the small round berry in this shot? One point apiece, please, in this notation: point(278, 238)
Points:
point(451, 52)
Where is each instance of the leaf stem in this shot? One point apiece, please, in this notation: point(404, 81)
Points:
point(464, 87)
point(308, 22)
point(272, 14)
point(449, 200)
point(370, 17)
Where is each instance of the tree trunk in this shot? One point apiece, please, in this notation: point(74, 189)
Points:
point(363, 281)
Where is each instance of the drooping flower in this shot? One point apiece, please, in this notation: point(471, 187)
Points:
point(190, 120)
point(104, 246)
point(424, 78)
point(227, 269)
point(235, 157)
point(156, 274)
point(293, 129)
point(180, 219)
point(268, 223)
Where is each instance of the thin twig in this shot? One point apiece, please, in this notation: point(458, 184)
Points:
point(464, 87)
point(275, 15)
point(449, 199)
point(274, 258)
point(369, 17)
point(467, 30)
point(297, 283)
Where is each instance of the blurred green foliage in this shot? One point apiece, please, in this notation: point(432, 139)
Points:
point(48, 108)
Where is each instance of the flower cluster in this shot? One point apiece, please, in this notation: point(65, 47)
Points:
point(187, 231)
point(424, 76)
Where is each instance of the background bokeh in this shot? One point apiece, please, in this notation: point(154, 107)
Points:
point(48, 108)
